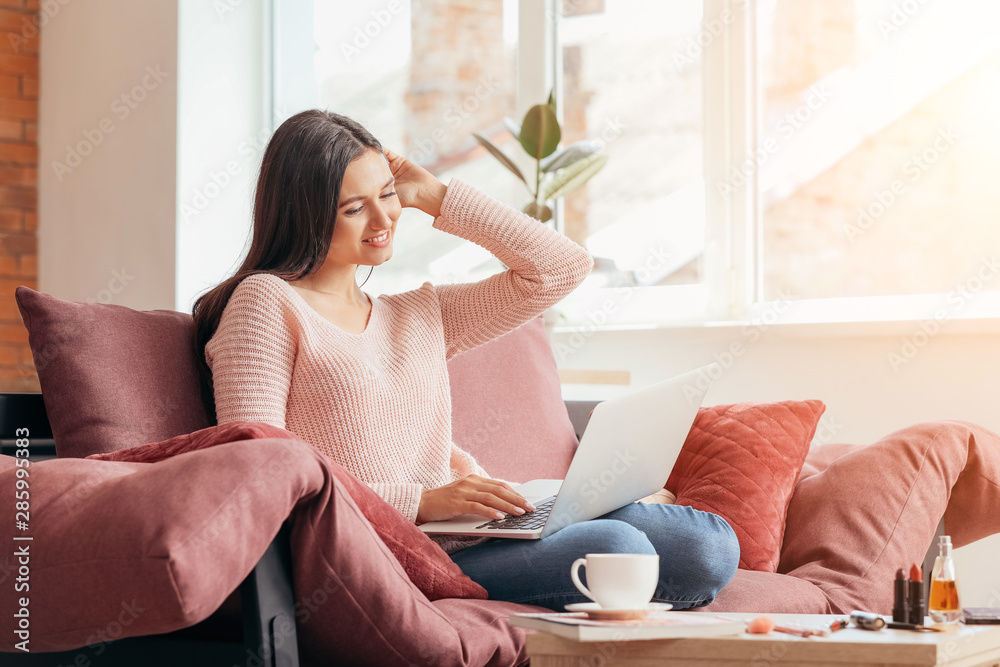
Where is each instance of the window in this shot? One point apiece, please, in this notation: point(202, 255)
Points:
point(424, 76)
point(880, 119)
point(835, 154)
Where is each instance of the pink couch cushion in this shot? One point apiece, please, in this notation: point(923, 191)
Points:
point(756, 592)
point(144, 548)
point(741, 462)
point(161, 544)
point(507, 406)
point(875, 509)
point(112, 377)
point(427, 565)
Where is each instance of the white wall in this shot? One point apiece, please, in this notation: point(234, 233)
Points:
point(158, 207)
point(106, 226)
point(953, 376)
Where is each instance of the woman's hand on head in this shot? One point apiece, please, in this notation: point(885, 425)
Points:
point(471, 495)
point(415, 186)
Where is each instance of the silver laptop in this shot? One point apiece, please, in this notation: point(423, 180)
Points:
point(626, 453)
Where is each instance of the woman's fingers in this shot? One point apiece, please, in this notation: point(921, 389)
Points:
point(497, 502)
point(505, 491)
point(472, 507)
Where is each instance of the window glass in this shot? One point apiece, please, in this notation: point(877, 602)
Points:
point(878, 164)
point(632, 77)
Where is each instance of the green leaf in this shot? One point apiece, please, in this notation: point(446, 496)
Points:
point(540, 212)
point(570, 154)
point(540, 131)
point(513, 127)
point(570, 178)
point(500, 155)
point(552, 100)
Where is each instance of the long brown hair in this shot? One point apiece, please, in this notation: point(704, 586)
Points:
point(295, 206)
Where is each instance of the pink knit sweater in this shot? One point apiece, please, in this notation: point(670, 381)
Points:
point(379, 402)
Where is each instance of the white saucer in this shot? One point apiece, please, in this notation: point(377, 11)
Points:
point(598, 613)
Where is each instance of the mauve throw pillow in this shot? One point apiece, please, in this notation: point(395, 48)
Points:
point(741, 462)
point(112, 377)
point(507, 407)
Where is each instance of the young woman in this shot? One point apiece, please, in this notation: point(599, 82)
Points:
point(293, 341)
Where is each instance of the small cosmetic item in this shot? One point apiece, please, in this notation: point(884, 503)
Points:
point(763, 625)
point(900, 608)
point(867, 621)
point(839, 624)
point(913, 626)
point(802, 632)
point(943, 604)
point(916, 595)
point(981, 616)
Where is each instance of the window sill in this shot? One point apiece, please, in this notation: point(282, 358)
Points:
point(912, 315)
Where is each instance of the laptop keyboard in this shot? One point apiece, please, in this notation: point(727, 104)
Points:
point(526, 521)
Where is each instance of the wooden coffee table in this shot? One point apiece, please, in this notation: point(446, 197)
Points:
point(962, 646)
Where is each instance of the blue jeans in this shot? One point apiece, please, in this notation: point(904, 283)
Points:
point(698, 552)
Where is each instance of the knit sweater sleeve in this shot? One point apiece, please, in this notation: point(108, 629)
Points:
point(252, 354)
point(544, 266)
point(404, 497)
point(464, 464)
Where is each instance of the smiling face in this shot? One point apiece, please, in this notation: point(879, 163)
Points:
point(368, 209)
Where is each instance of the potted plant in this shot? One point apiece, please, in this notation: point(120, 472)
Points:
point(558, 171)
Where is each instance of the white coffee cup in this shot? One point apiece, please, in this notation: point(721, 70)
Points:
point(618, 581)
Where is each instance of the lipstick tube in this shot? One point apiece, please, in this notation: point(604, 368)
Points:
point(900, 609)
point(867, 621)
point(916, 586)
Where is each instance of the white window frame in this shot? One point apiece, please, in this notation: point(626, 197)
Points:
point(732, 247)
point(733, 272)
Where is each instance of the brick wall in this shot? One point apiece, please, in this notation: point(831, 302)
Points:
point(18, 184)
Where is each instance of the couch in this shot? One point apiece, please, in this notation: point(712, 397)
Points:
point(839, 537)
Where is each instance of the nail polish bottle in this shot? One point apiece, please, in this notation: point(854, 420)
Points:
point(943, 604)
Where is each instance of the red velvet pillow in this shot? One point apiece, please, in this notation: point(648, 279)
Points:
point(741, 462)
point(428, 566)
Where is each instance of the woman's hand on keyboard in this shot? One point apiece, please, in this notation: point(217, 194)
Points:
point(472, 494)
